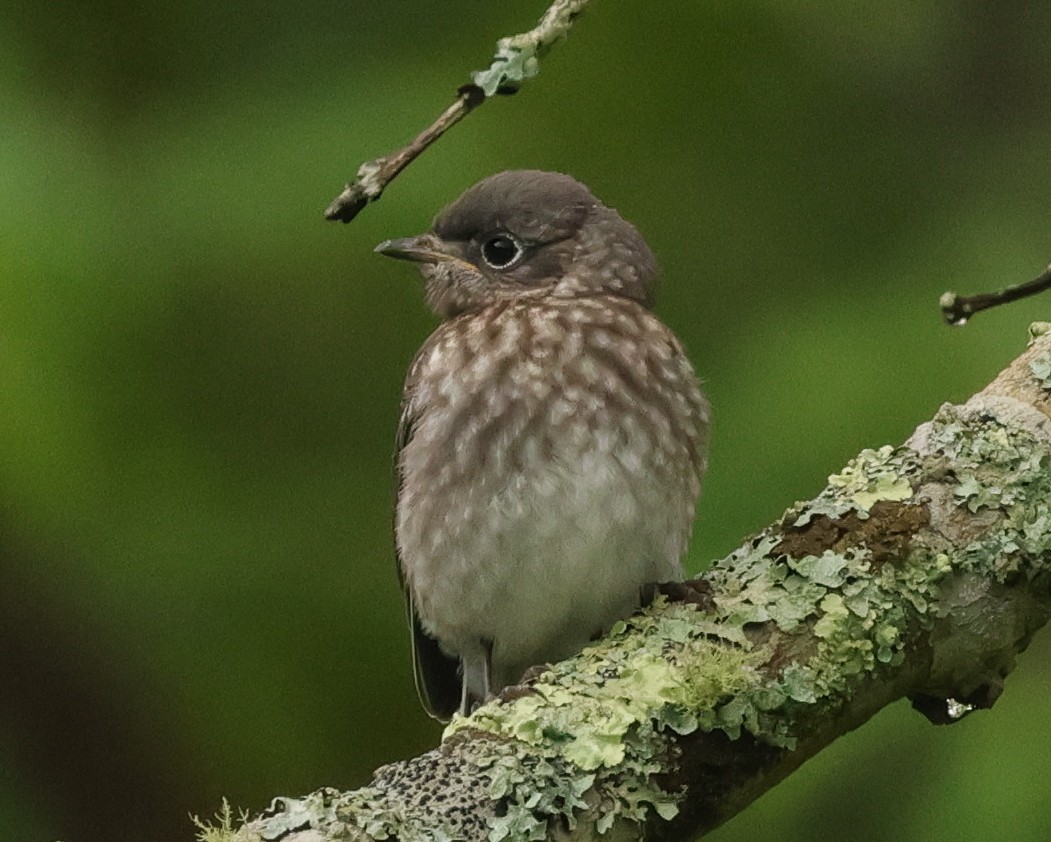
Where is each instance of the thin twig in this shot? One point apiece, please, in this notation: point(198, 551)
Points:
point(957, 309)
point(516, 60)
point(374, 176)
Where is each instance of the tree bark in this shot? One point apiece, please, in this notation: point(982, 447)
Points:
point(920, 571)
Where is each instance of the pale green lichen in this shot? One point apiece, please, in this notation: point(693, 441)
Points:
point(369, 810)
point(872, 476)
point(859, 612)
point(1041, 368)
point(857, 615)
point(975, 495)
point(1038, 329)
point(869, 478)
point(604, 720)
point(223, 830)
point(528, 814)
point(859, 627)
point(1005, 471)
point(517, 57)
point(335, 811)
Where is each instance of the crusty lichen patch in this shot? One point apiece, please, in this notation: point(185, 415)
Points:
point(818, 577)
point(1041, 368)
point(604, 719)
point(1003, 473)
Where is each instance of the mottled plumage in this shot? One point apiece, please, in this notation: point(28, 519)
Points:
point(552, 441)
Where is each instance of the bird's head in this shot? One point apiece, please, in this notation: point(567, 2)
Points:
point(526, 233)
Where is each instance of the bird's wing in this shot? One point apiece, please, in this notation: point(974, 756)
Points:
point(437, 674)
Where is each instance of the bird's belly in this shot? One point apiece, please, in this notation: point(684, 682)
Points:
point(547, 554)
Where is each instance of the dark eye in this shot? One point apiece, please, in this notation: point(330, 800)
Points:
point(501, 250)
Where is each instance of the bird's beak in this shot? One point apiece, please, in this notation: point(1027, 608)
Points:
point(426, 248)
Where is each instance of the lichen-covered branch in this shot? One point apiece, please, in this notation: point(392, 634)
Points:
point(920, 571)
point(517, 59)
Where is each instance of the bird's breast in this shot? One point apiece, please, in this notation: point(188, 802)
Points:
point(553, 468)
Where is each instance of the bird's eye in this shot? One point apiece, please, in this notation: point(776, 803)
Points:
point(501, 250)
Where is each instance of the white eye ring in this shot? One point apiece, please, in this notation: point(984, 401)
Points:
point(501, 251)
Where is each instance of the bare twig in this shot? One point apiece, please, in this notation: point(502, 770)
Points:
point(374, 176)
point(957, 309)
point(516, 60)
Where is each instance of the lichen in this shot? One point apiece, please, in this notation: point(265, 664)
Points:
point(857, 616)
point(223, 830)
point(1038, 329)
point(604, 721)
point(872, 476)
point(1041, 368)
point(1003, 470)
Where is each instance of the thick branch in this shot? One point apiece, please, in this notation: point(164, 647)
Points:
point(919, 571)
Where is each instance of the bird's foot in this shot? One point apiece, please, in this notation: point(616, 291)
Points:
point(693, 592)
point(524, 687)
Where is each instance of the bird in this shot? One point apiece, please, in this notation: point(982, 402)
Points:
point(552, 441)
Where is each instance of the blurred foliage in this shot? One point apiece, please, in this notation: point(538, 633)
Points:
point(201, 378)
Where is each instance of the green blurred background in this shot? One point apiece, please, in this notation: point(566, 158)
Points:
point(199, 377)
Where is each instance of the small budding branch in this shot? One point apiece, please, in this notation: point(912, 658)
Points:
point(517, 59)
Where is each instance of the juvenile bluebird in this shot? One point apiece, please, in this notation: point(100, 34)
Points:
point(552, 441)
